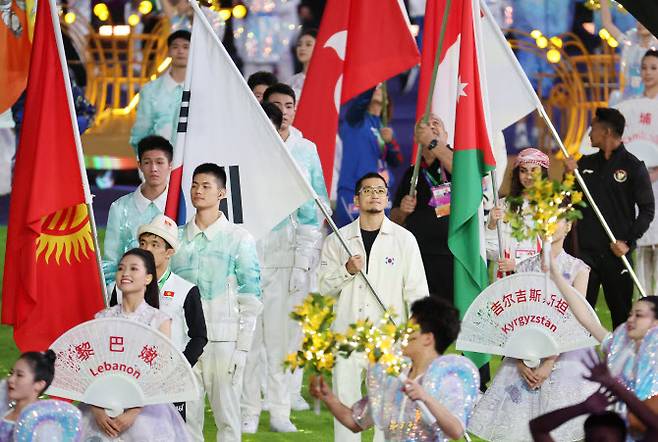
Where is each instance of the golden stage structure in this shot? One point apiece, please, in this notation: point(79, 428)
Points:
point(117, 61)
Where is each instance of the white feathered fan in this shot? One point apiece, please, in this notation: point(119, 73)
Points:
point(514, 317)
point(117, 364)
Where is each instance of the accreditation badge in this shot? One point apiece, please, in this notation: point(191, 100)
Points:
point(440, 199)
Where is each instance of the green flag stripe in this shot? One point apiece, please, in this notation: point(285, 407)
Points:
point(470, 272)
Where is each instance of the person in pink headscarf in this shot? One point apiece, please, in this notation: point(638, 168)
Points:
point(527, 163)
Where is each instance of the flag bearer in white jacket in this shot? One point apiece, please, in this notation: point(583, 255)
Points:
point(180, 299)
point(389, 255)
point(221, 259)
point(289, 255)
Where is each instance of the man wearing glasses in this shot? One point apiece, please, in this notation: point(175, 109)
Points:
point(388, 255)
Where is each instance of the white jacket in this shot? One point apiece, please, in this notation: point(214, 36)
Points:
point(395, 269)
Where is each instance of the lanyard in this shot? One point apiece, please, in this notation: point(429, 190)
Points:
point(164, 279)
point(431, 181)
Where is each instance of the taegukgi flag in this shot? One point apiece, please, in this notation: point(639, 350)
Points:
point(222, 122)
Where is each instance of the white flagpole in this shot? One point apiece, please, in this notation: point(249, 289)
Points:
point(542, 112)
point(78, 143)
point(202, 18)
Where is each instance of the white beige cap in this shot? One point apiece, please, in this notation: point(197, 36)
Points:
point(164, 227)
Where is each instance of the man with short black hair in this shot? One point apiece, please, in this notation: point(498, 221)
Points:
point(259, 81)
point(620, 186)
point(389, 256)
point(221, 259)
point(130, 211)
point(160, 99)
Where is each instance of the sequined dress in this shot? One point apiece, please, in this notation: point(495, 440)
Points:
point(6, 426)
point(155, 423)
point(452, 380)
point(637, 368)
point(504, 411)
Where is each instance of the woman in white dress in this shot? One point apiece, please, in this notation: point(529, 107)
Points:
point(518, 393)
point(514, 252)
point(137, 280)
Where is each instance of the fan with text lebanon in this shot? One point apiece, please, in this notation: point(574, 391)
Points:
point(515, 317)
point(118, 364)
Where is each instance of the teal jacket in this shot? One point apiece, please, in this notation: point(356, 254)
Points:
point(157, 111)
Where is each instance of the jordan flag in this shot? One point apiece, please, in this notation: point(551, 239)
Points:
point(465, 111)
point(52, 280)
point(360, 44)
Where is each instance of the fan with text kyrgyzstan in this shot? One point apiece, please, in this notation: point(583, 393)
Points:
point(515, 317)
point(118, 364)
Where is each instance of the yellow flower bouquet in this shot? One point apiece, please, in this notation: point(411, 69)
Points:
point(546, 203)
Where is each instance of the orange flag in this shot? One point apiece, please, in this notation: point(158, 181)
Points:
point(51, 279)
point(14, 54)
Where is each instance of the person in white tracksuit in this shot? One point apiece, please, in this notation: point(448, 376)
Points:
point(389, 255)
point(221, 259)
point(288, 256)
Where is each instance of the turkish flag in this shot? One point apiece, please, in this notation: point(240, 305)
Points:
point(51, 277)
point(360, 44)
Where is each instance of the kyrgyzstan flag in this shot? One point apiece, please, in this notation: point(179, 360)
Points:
point(463, 107)
point(51, 277)
point(360, 44)
point(14, 53)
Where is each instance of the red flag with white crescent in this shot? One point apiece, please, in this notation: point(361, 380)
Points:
point(360, 44)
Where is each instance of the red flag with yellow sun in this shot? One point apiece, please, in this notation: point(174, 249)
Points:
point(51, 278)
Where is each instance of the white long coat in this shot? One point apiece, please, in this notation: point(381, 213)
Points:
point(395, 269)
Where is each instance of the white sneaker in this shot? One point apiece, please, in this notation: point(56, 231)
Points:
point(282, 426)
point(297, 403)
point(250, 424)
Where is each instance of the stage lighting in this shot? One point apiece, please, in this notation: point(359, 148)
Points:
point(535, 33)
point(225, 14)
point(553, 56)
point(145, 7)
point(557, 41)
point(101, 9)
point(69, 18)
point(133, 19)
point(239, 11)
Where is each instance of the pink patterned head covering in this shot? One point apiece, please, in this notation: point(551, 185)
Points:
point(532, 156)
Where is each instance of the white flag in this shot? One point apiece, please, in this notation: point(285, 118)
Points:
point(511, 96)
point(226, 125)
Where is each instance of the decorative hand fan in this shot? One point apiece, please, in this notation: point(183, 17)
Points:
point(117, 364)
point(514, 317)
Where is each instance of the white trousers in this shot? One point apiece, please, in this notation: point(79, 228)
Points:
point(347, 379)
point(224, 396)
point(348, 376)
point(279, 336)
point(647, 268)
point(254, 384)
point(277, 327)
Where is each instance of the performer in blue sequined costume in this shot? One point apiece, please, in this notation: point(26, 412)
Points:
point(631, 350)
point(447, 384)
